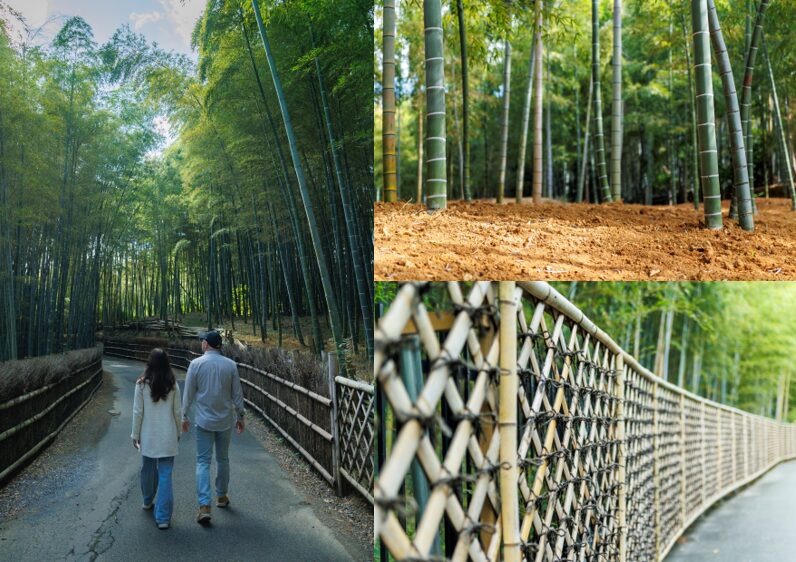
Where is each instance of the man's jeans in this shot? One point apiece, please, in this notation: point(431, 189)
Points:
point(204, 455)
point(156, 479)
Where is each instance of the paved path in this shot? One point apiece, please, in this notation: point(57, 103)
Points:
point(756, 525)
point(86, 505)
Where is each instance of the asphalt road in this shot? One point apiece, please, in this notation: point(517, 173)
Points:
point(756, 525)
point(83, 502)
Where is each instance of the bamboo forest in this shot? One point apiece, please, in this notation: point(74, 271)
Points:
point(231, 188)
point(607, 140)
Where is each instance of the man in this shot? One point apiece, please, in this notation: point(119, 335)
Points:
point(212, 382)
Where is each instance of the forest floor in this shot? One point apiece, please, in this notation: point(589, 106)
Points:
point(555, 241)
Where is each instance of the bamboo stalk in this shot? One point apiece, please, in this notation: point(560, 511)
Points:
point(538, 96)
point(706, 126)
point(388, 103)
point(509, 384)
point(617, 110)
point(599, 136)
point(504, 144)
point(436, 179)
point(743, 192)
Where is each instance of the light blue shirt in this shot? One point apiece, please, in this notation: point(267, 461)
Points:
point(213, 383)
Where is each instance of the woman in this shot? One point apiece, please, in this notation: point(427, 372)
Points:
point(156, 431)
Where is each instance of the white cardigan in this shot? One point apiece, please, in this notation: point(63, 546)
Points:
point(156, 424)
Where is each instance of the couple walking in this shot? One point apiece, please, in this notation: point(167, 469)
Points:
point(212, 385)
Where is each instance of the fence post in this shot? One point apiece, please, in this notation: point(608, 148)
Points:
point(655, 475)
point(746, 446)
point(718, 448)
point(622, 454)
point(704, 453)
point(734, 449)
point(329, 362)
point(507, 414)
point(682, 458)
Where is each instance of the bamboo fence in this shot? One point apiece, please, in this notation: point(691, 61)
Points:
point(28, 423)
point(309, 421)
point(519, 430)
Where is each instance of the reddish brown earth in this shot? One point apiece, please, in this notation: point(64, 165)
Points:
point(552, 241)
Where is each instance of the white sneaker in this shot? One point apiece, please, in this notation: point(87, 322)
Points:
point(148, 506)
point(163, 526)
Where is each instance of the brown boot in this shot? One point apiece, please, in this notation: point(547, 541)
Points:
point(222, 501)
point(204, 514)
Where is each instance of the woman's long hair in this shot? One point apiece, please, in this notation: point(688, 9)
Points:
point(158, 374)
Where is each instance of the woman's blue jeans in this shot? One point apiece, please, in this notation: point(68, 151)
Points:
point(204, 456)
point(156, 479)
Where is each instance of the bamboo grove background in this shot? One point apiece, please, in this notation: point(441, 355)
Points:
point(586, 101)
point(135, 182)
point(512, 427)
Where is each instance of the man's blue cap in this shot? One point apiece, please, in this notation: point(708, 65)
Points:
point(213, 338)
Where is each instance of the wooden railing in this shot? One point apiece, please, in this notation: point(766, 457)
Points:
point(30, 422)
point(524, 432)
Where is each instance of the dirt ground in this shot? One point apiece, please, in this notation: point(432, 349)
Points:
point(554, 241)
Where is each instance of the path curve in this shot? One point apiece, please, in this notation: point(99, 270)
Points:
point(85, 504)
point(755, 525)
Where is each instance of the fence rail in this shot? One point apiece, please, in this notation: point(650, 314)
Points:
point(524, 432)
point(30, 422)
point(306, 419)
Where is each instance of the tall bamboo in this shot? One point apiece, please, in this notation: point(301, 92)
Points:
point(465, 98)
point(548, 134)
point(537, 108)
point(692, 106)
point(617, 110)
point(420, 141)
point(317, 242)
point(507, 415)
point(504, 122)
point(705, 115)
point(599, 137)
point(390, 169)
point(780, 133)
point(526, 116)
point(436, 173)
point(354, 242)
point(740, 170)
point(585, 157)
point(746, 89)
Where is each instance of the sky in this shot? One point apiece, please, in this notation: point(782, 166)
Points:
point(167, 22)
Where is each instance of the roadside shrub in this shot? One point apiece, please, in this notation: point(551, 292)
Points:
point(26, 375)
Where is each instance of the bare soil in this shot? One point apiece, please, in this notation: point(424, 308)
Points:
point(554, 241)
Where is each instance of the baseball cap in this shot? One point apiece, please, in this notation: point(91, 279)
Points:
point(212, 337)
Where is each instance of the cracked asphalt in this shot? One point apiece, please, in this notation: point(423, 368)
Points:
point(80, 500)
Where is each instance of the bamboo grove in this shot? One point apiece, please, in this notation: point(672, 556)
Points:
point(136, 182)
point(647, 102)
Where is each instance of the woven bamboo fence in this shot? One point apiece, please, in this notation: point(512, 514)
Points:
point(519, 430)
point(28, 423)
point(354, 411)
point(306, 419)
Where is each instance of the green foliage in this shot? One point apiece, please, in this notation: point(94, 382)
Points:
point(143, 184)
point(656, 93)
